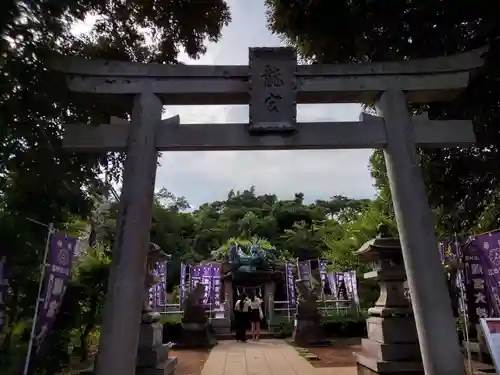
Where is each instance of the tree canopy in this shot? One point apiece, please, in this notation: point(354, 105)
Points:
point(38, 179)
point(462, 182)
point(41, 183)
point(35, 102)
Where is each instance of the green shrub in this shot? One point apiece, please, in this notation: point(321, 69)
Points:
point(345, 317)
point(349, 324)
point(171, 318)
point(285, 329)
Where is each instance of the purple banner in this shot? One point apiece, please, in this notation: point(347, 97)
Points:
point(477, 300)
point(182, 284)
point(194, 277)
point(344, 285)
point(352, 286)
point(215, 292)
point(206, 280)
point(57, 276)
point(482, 276)
point(332, 281)
point(341, 287)
point(290, 285)
point(322, 274)
point(158, 292)
point(209, 276)
point(3, 294)
point(304, 271)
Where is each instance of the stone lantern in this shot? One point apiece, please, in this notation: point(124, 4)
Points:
point(392, 343)
point(155, 255)
point(152, 353)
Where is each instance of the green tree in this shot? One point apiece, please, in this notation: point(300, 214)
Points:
point(38, 179)
point(460, 181)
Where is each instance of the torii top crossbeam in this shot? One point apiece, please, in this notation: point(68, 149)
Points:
point(424, 80)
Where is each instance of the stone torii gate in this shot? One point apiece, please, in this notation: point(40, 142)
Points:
point(272, 85)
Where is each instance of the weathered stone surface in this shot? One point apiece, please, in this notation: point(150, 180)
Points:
point(308, 333)
point(436, 325)
point(391, 352)
point(152, 353)
point(273, 89)
point(392, 343)
point(371, 366)
point(150, 335)
point(155, 254)
point(425, 80)
point(165, 368)
point(151, 357)
point(308, 330)
point(195, 331)
point(221, 325)
point(122, 311)
point(307, 305)
point(309, 136)
point(396, 330)
point(194, 311)
point(195, 335)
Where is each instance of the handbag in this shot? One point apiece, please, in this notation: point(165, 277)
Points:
point(261, 314)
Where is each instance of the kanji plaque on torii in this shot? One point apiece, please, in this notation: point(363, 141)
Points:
point(272, 89)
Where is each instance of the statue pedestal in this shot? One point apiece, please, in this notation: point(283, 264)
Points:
point(195, 335)
point(152, 354)
point(195, 331)
point(308, 332)
point(392, 343)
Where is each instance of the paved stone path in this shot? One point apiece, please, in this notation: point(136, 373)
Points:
point(266, 357)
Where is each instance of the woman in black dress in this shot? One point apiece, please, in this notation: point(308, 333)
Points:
point(241, 317)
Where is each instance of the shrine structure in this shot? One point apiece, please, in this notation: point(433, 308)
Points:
point(272, 85)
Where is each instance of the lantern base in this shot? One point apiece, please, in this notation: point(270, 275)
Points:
point(366, 365)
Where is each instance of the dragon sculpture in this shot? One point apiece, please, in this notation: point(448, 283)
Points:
point(256, 258)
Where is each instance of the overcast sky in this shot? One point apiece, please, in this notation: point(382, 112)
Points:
point(208, 176)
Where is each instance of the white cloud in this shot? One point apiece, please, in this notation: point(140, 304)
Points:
point(208, 176)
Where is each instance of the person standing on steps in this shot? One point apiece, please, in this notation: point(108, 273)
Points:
point(256, 316)
point(241, 311)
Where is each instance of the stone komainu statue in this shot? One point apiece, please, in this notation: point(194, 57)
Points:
point(195, 296)
point(308, 329)
point(194, 311)
point(307, 306)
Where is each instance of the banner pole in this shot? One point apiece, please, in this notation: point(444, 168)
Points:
point(210, 283)
point(321, 295)
point(310, 274)
point(166, 286)
point(38, 299)
point(287, 277)
point(182, 285)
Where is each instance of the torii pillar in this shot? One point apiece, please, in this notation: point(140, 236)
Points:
point(122, 308)
point(432, 310)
